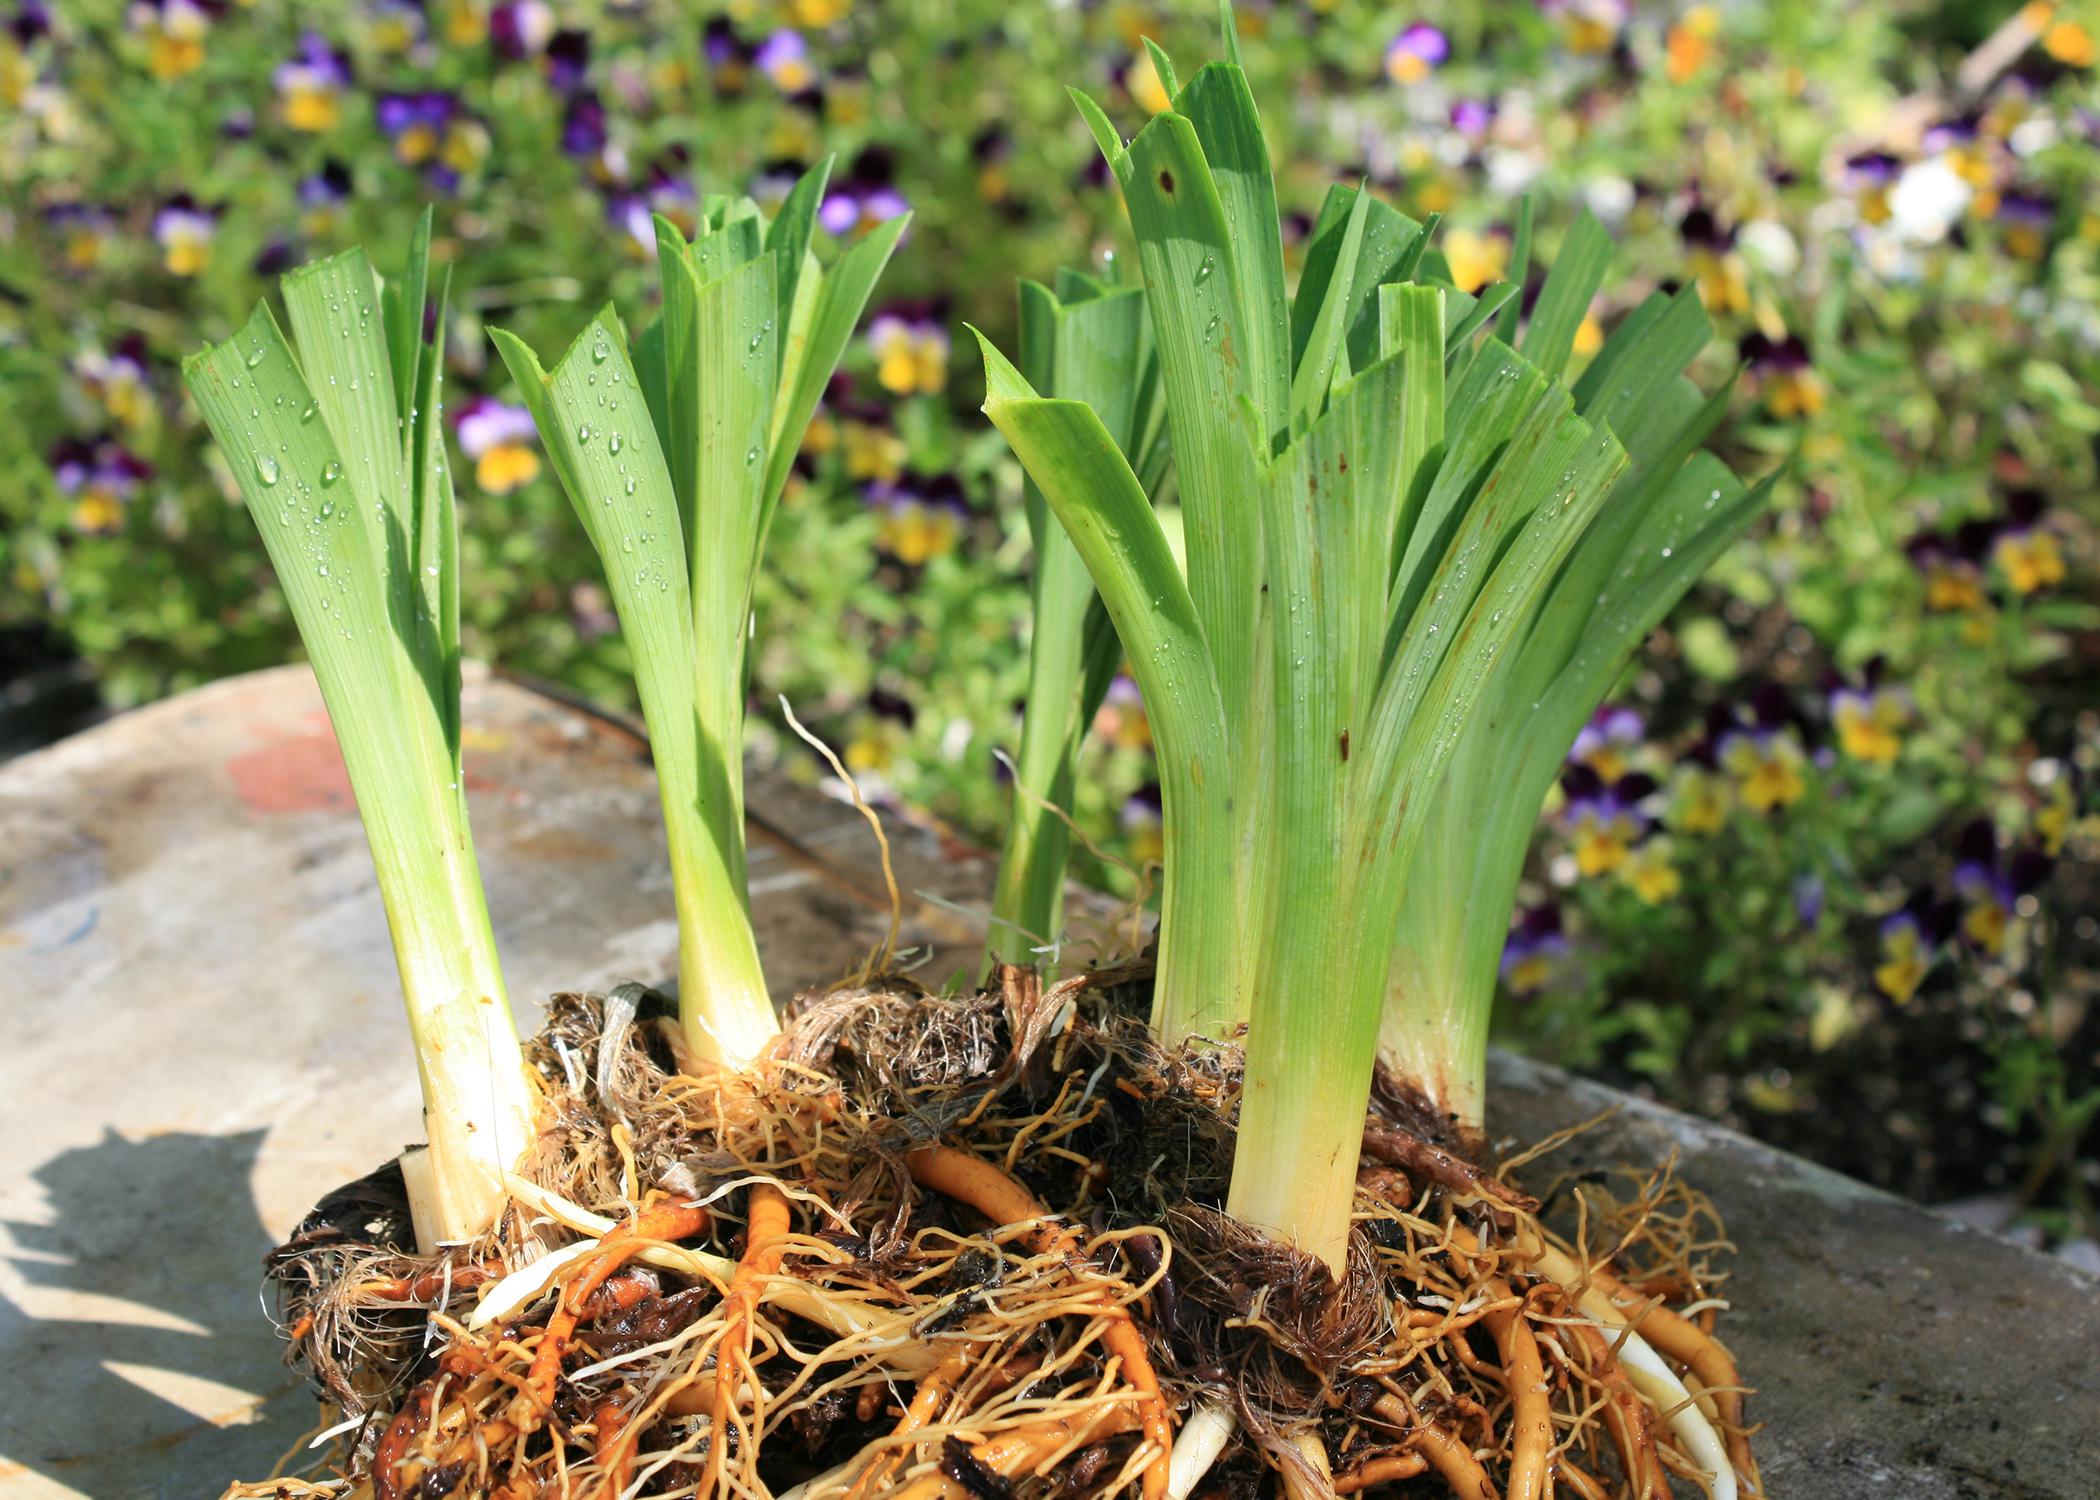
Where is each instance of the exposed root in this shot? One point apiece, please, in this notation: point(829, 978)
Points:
point(1443, 1450)
point(1030, 1450)
point(1685, 1342)
point(925, 1403)
point(1428, 1163)
point(1371, 1473)
point(984, 1258)
point(1202, 1439)
point(1004, 1201)
point(1629, 1421)
point(765, 1243)
point(1531, 1413)
point(1651, 1376)
point(659, 1222)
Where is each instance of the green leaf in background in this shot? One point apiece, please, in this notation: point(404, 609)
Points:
point(1087, 483)
point(1088, 342)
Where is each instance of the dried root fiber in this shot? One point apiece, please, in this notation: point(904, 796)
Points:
point(973, 1248)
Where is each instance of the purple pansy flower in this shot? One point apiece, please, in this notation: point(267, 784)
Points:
point(568, 58)
point(32, 19)
point(325, 189)
point(1534, 944)
point(315, 65)
point(1607, 742)
point(583, 129)
point(1416, 52)
point(101, 477)
point(784, 58)
point(1472, 117)
point(864, 197)
point(520, 28)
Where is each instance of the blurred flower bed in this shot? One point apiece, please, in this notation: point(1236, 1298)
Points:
point(1824, 869)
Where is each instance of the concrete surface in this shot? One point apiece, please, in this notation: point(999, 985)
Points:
point(1896, 1351)
point(206, 1036)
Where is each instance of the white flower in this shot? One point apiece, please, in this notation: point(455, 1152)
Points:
point(1609, 198)
point(1927, 201)
point(2031, 137)
point(1767, 245)
point(1510, 172)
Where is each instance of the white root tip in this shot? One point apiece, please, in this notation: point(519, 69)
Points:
point(1202, 1438)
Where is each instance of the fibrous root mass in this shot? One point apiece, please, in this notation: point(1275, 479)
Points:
point(974, 1248)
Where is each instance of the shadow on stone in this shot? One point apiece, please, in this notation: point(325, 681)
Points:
point(147, 1351)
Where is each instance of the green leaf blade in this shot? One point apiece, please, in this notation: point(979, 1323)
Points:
point(1090, 487)
point(843, 295)
point(1564, 300)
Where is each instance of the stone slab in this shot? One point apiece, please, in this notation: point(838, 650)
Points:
point(206, 1035)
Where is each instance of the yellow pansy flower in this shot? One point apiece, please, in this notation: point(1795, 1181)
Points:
point(911, 356)
point(506, 467)
point(1690, 43)
point(1142, 79)
point(185, 234)
point(2030, 560)
point(498, 438)
point(1699, 800)
point(1767, 768)
point(1416, 53)
point(1869, 724)
point(1651, 874)
point(1906, 958)
point(2069, 43)
point(872, 451)
point(98, 512)
point(1475, 259)
point(914, 530)
point(1602, 836)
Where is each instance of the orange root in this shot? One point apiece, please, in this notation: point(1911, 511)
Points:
point(925, 1401)
point(615, 1447)
point(1023, 1449)
point(1524, 1377)
point(995, 1194)
point(1626, 1416)
point(1389, 1470)
point(394, 1442)
point(1679, 1338)
point(1445, 1453)
point(654, 1223)
point(1531, 1412)
point(428, 1285)
point(765, 1242)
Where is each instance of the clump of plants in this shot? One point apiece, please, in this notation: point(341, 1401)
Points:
point(1218, 1218)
